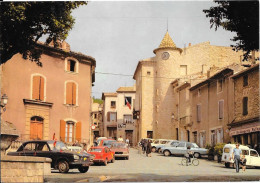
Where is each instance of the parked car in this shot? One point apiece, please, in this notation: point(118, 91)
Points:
point(62, 158)
point(172, 143)
point(158, 142)
point(106, 142)
point(251, 155)
point(102, 154)
point(181, 149)
point(121, 149)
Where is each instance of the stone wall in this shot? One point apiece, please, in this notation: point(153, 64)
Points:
point(24, 169)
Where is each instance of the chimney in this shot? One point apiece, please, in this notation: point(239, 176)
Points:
point(65, 46)
point(189, 44)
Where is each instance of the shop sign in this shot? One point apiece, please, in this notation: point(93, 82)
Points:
point(244, 131)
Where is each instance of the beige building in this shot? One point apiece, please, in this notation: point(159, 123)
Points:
point(97, 120)
point(118, 114)
point(156, 77)
point(52, 99)
point(245, 126)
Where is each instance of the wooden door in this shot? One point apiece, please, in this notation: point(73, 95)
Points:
point(36, 131)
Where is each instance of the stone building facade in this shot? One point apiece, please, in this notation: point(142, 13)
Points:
point(52, 101)
point(118, 114)
point(154, 76)
point(97, 120)
point(245, 126)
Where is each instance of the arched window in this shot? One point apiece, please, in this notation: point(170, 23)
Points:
point(36, 131)
point(71, 89)
point(38, 88)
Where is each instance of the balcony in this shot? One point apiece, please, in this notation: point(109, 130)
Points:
point(185, 121)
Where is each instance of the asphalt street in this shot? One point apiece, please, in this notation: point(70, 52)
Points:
point(157, 168)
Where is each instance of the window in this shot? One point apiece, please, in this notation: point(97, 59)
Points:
point(194, 136)
point(183, 70)
point(71, 66)
point(220, 83)
point(113, 104)
point(245, 106)
point(128, 100)
point(245, 80)
point(221, 109)
point(182, 144)
point(112, 116)
point(177, 134)
point(213, 137)
point(150, 134)
point(253, 153)
point(38, 88)
point(95, 116)
point(29, 147)
point(69, 131)
point(128, 119)
point(71, 93)
point(148, 73)
point(226, 150)
point(198, 113)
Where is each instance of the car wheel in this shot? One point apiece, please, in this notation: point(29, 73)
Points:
point(159, 149)
point(153, 149)
point(166, 153)
point(105, 162)
point(227, 165)
point(83, 169)
point(63, 166)
point(196, 155)
point(113, 160)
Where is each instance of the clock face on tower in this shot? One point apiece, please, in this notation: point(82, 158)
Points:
point(165, 55)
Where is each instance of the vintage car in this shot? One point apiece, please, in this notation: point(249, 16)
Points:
point(75, 148)
point(121, 150)
point(62, 158)
point(106, 142)
point(172, 143)
point(251, 155)
point(181, 149)
point(102, 154)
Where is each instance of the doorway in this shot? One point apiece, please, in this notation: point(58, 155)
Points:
point(112, 132)
point(129, 135)
point(36, 125)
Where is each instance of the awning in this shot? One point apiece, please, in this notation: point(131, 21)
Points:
point(245, 128)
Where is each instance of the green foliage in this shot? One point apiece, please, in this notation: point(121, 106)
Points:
point(218, 149)
point(96, 100)
point(241, 17)
point(23, 23)
point(210, 149)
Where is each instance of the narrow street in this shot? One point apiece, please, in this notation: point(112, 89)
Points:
point(157, 168)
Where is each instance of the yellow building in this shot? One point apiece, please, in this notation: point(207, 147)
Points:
point(157, 79)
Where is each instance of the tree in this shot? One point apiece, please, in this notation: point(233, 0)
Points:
point(23, 23)
point(241, 17)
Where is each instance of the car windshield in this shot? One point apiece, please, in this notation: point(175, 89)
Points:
point(57, 146)
point(245, 152)
point(156, 142)
point(118, 145)
point(195, 145)
point(108, 143)
point(95, 150)
point(164, 142)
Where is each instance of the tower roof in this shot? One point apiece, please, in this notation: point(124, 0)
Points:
point(167, 43)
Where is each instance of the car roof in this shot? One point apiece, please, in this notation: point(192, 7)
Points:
point(234, 146)
point(108, 139)
point(98, 147)
point(46, 141)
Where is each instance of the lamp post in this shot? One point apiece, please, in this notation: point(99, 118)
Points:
point(4, 100)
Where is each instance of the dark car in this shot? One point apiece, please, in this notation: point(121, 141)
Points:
point(62, 158)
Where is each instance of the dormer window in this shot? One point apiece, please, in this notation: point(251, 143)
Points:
point(71, 66)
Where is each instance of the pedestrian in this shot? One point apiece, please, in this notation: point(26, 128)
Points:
point(236, 156)
point(243, 162)
point(145, 145)
point(120, 139)
point(149, 148)
point(127, 141)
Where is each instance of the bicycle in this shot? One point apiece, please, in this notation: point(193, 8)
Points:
point(185, 161)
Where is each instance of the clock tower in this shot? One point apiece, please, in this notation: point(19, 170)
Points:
point(166, 70)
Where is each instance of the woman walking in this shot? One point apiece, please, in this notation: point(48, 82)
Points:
point(149, 149)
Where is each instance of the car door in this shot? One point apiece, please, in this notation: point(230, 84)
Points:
point(254, 158)
point(179, 149)
point(43, 150)
point(108, 154)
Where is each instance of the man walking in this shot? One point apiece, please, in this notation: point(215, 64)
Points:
point(236, 157)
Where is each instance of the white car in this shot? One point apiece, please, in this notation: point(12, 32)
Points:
point(173, 143)
point(251, 155)
point(158, 142)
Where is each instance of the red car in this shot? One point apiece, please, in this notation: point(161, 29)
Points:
point(121, 150)
point(106, 142)
point(102, 154)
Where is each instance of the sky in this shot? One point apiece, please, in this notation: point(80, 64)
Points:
point(120, 34)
